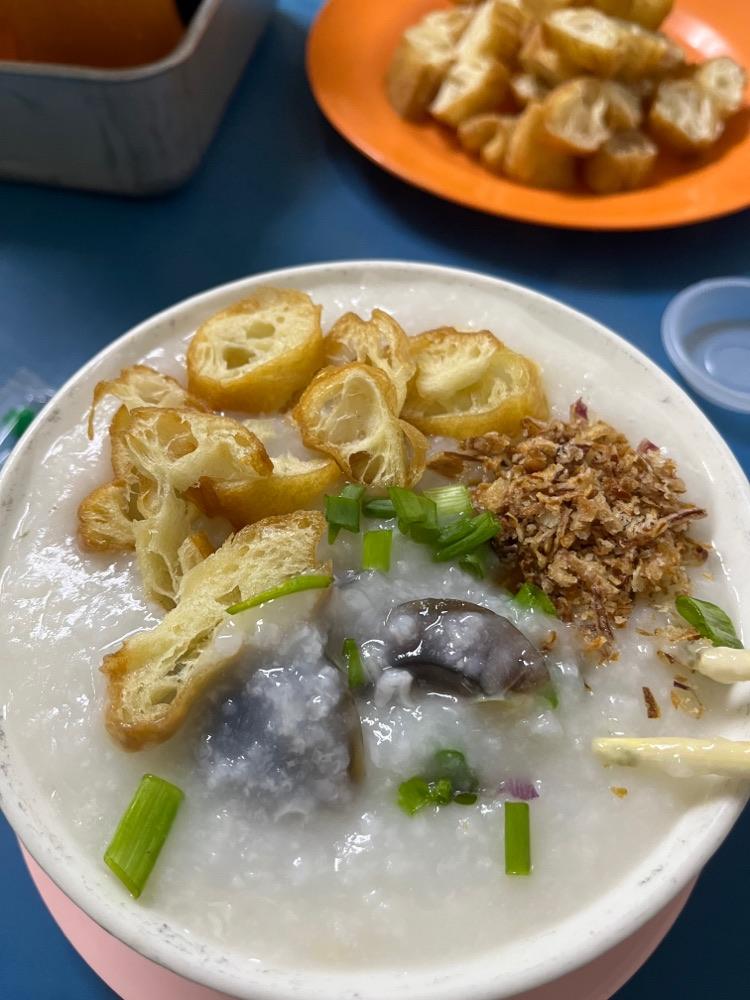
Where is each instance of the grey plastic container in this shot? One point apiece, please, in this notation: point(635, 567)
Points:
point(135, 131)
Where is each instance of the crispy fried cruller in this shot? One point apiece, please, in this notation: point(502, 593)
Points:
point(555, 93)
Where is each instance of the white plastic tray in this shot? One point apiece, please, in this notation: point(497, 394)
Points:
point(135, 131)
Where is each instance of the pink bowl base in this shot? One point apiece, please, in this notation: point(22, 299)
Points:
point(133, 977)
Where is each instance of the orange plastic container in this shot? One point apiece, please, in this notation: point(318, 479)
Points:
point(98, 33)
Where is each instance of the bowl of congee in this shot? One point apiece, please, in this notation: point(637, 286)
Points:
point(373, 629)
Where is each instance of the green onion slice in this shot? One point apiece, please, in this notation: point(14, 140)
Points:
point(709, 621)
point(483, 527)
point(550, 695)
point(448, 778)
point(475, 562)
point(355, 670)
point(142, 831)
point(455, 531)
point(308, 581)
point(413, 795)
point(426, 529)
point(376, 550)
point(452, 765)
point(379, 507)
point(342, 511)
point(408, 505)
point(534, 598)
point(451, 501)
point(441, 792)
point(517, 839)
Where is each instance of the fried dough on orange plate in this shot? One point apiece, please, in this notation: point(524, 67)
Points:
point(532, 159)
point(575, 116)
point(684, 117)
point(724, 81)
point(623, 163)
point(422, 59)
point(472, 85)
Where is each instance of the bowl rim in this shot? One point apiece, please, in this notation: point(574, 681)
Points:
point(659, 886)
point(185, 48)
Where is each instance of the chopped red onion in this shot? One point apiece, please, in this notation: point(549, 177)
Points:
point(579, 410)
point(646, 446)
point(518, 788)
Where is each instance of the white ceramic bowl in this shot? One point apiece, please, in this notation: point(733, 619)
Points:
point(605, 369)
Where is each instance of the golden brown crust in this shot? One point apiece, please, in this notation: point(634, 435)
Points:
point(684, 118)
point(476, 132)
point(104, 523)
point(531, 158)
point(471, 86)
point(470, 383)
point(575, 116)
point(140, 385)
point(155, 449)
point(293, 485)
point(623, 163)
point(587, 38)
point(256, 355)
point(495, 30)
point(421, 60)
point(379, 341)
point(544, 62)
point(724, 81)
point(350, 413)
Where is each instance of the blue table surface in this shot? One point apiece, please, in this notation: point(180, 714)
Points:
point(280, 187)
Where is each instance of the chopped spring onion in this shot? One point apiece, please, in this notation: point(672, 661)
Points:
point(426, 530)
point(355, 670)
point(376, 550)
point(441, 792)
point(448, 778)
point(142, 831)
point(353, 491)
point(455, 531)
point(550, 695)
point(534, 599)
point(451, 501)
point(451, 765)
point(481, 529)
point(342, 511)
point(709, 621)
point(416, 793)
point(517, 838)
point(308, 581)
point(408, 506)
point(380, 507)
point(475, 562)
point(413, 795)
point(465, 798)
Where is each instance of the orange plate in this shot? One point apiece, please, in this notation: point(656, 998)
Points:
point(349, 50)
